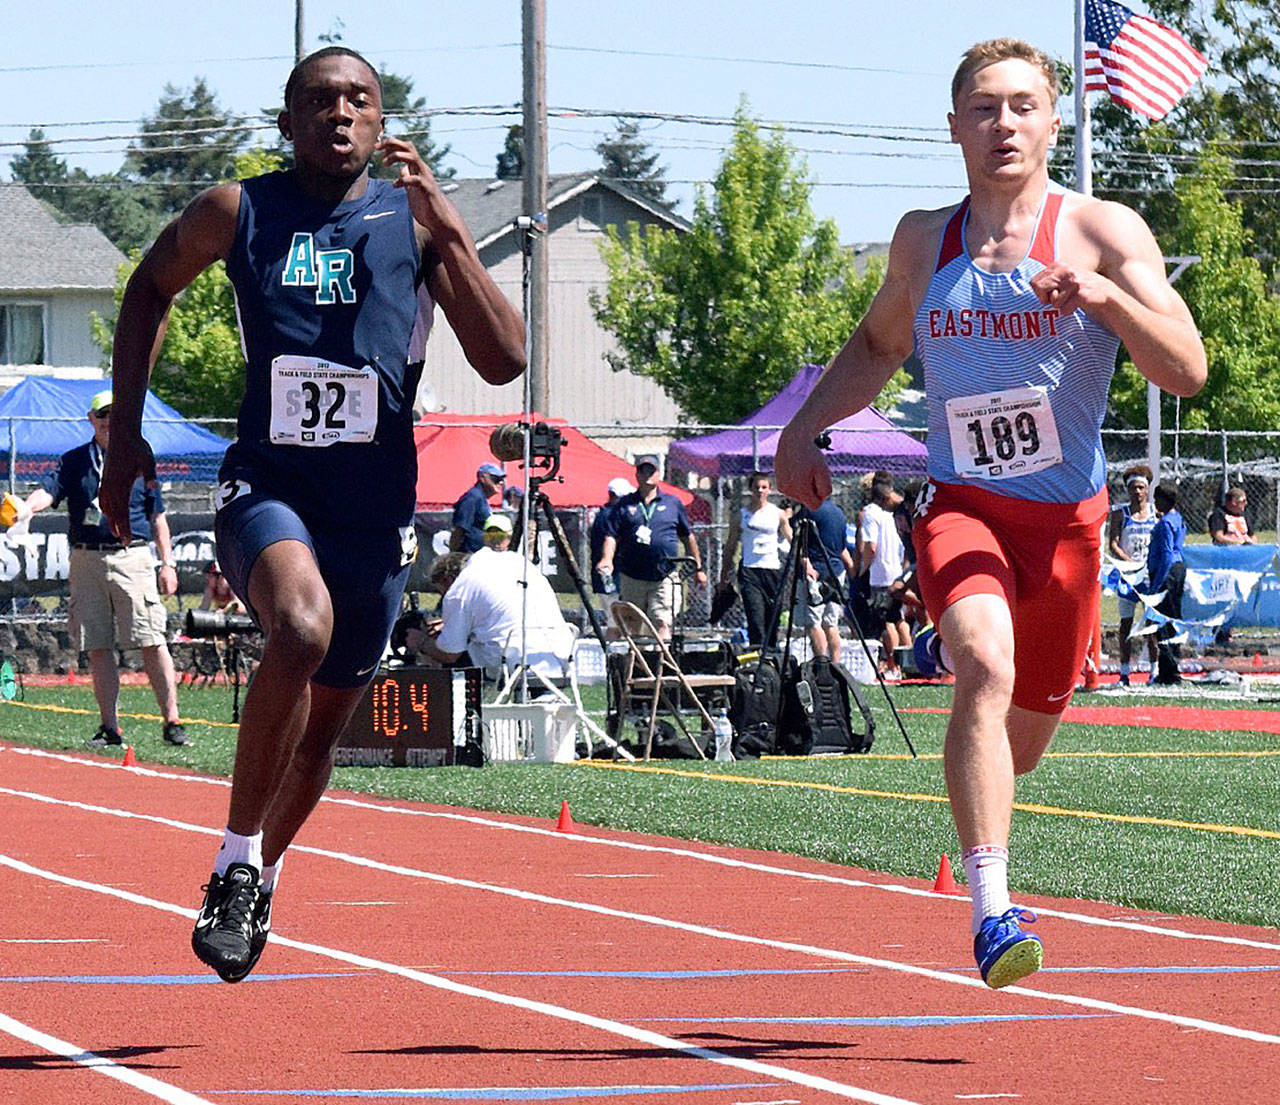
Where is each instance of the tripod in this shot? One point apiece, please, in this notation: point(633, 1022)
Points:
point(538, 506)
point(803, 540)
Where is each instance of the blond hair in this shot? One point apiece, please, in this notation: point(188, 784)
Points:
point(994, 50)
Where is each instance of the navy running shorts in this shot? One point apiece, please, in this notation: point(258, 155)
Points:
point(364, 570)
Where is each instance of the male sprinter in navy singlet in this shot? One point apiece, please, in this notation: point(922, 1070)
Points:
point(1015, 300)
point(335, 276)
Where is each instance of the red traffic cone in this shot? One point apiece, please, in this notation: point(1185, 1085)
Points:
point(565, 823)
point(71, 678)
point(1257, 659)
point(945, 883)
point(129, 758)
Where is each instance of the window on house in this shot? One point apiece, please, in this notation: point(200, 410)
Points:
point(21, 333)
point(591, 213)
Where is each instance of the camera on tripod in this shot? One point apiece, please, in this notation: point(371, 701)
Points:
point(213, 624)
point(507, 441)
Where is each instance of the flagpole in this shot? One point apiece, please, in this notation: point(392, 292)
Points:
point(1084, 136)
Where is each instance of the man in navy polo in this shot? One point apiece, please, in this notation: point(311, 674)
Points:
point(472, 510)
point(642, 537)
point(115, 601)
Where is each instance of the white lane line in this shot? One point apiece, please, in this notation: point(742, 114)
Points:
point(573, 1016)
point(100, 1064)
point(699, 930)
point(685, 853)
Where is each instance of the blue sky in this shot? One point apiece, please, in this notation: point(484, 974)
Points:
point(85, 69)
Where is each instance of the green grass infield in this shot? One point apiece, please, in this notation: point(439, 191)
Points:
point(1182, 821)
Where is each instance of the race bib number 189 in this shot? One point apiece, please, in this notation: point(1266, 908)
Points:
point(317, 403)
point(998, 437)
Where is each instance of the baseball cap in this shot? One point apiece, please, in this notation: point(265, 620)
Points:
point(500, 522)
point(102, 399)
point(650, 459)
point(488, 468)
point(620, 486)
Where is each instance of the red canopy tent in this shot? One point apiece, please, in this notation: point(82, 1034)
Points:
point(452, 446)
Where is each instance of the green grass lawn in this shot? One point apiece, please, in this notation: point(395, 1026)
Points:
point(1108, 821)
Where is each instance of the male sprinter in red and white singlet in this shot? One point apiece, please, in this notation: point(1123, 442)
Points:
point(1016, 300)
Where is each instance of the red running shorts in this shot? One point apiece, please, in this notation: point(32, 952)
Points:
point(1041, 558)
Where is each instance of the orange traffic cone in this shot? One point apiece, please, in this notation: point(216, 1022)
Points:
point(565, 823)
point(945, 883)
point(129, 758)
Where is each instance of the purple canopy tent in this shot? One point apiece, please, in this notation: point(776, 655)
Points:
point(864, 442)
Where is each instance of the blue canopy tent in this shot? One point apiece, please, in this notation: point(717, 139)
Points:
point(41, 418)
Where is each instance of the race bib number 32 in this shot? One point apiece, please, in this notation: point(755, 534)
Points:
point(998, 437)
point(317, 403)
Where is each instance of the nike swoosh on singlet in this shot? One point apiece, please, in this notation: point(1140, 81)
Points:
point(378, 215)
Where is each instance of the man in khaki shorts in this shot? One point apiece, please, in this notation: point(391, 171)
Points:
point(115, 600)
point(643, 534)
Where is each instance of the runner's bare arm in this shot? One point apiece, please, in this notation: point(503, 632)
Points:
point(202, 234)
point(1130, 295)
point(856, 375)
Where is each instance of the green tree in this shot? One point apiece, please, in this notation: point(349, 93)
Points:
point(1238, 320)
point(626, 157)
point(408, 118)
point(1236, 104)
point(511, 159)
point(40, 169)
point(200, 367)
point(116, 207)
point(724, 315)
point(187, 145)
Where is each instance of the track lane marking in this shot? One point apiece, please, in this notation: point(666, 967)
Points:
point(558, 1012)
point(578, 838)
point(100, 1064)
point(669, 923)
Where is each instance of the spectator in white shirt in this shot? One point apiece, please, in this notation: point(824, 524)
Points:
point(882, 549)
point(495, 601)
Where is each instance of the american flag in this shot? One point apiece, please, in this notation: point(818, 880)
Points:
point(1143, 64)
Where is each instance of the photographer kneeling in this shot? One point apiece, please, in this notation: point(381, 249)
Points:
point(484, 606)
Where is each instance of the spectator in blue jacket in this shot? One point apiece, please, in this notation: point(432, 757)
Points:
point(1166, 572)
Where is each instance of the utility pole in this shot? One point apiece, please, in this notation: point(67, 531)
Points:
point(534, 20)
point(299, 38)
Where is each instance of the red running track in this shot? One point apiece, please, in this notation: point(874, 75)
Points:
point(439, 955)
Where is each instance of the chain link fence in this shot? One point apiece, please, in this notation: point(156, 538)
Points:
point(711, 462)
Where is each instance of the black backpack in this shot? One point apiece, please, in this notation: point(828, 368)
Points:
point(825, 694)
point(760, 701)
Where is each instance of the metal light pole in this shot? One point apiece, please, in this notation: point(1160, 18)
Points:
point(535, 192)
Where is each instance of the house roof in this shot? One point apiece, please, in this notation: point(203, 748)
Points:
point(490, 207)
point(38, 253)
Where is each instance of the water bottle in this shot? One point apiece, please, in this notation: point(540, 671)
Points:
point(607, 581)
point(724, 734)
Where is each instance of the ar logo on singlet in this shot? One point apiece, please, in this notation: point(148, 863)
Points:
point(330, 271)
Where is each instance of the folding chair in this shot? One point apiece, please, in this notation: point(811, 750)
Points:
point(641, 679)
point(558, 679)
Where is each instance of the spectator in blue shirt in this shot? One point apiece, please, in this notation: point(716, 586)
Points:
point(827, 568)
point(115, 592)
point(643, 535)
point(1166, 572)
point(472, 510)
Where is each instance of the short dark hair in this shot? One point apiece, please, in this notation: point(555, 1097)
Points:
point(327, 52)
point(758, 475)
point(1165, 496)
point(881, 487)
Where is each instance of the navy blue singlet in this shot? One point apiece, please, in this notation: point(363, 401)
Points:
point(328, 300)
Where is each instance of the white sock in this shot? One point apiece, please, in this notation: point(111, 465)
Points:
point(238, 849)
point(270, 875)
point(987, 868)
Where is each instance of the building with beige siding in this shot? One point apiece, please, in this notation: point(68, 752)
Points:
point(584, 390)
point(53, 276)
